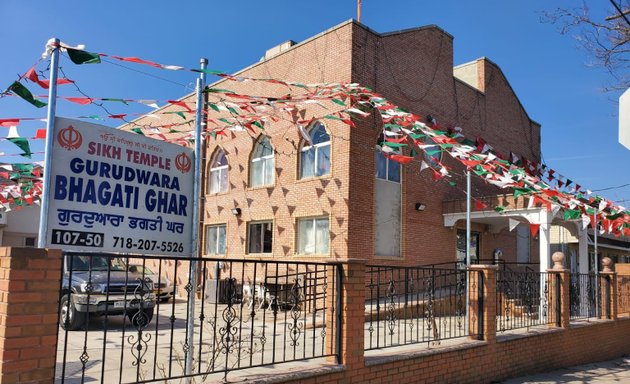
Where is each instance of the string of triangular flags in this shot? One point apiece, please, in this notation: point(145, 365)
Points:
point(401, 129)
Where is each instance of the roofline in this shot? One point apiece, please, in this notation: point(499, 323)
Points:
point(485, 58)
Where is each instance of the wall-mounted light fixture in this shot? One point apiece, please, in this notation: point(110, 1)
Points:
point(420, 207)
point(236, 211)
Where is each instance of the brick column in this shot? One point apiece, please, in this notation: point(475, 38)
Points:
point(353, 293)
point(482, 289)
point(29, 287)
point(608, 295)
point(564, 278)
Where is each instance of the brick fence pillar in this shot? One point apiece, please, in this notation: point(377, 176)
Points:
point(353, 293)
point(559, 282)
point(608, 295)
point(29, 291)
point(482, 309)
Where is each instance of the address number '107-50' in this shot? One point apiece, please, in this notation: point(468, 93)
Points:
point(86, 239)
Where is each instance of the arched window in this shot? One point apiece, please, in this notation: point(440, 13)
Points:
point(386, 169)
point(315, 155)
point(262, 165)
point(218, 173)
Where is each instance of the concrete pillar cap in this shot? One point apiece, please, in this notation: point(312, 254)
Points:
point(606, 264)
point(558, 260)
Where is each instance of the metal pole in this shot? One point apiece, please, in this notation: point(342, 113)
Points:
point(468, 218)
point(190, 329)
point(50, 125)
point(596, 264)
point(468, 273)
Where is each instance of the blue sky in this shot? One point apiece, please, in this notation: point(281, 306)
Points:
point(548, 71)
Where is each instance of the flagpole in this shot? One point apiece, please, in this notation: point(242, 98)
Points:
point(190, 326)
point(50, 125)
point(596, 264)
point(468, 218)
point(467, 244)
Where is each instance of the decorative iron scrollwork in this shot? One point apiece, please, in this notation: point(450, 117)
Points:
point(295, 327)
point(391, 307)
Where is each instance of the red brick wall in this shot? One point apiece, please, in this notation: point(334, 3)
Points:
point(413, 69)
point(29, 296)
point(494, 359)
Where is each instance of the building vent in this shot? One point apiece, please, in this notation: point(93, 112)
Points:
point(271, 52)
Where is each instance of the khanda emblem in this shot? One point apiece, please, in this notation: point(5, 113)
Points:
point(183, 162)
point(69, 138)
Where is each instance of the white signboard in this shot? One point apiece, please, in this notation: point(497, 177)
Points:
point(116, 191)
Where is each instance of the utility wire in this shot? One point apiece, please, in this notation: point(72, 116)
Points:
point(609, 188)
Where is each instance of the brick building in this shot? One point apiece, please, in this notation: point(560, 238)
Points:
point(277, 195)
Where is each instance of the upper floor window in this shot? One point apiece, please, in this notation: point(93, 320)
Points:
point(432, 154)
point(218, 174)
point(386, 169)
point(315, 155)
point(262, 165)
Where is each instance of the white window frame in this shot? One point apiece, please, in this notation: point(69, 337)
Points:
point(220, 170)
point(317, 147)
point(381, 154)
point(268, 164)
point(216, 227)
point(317, 249)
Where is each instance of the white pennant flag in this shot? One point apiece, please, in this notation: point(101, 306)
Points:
point(513, 224)
point(423, 166)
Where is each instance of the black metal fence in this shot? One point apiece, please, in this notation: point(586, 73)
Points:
point(582, 296)
point(408, 305)
point(623, 294)
point(522, 299)
point(143, 319)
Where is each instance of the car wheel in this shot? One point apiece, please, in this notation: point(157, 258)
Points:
point(69, 318)
point(141, 318)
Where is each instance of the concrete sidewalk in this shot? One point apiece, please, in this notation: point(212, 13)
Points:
point(613, 371)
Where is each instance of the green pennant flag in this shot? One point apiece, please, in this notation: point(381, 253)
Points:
point(22, 143)
point(337, 101)
point(25, 94)
point(214, 107)
point(138, 130)
point(394, 145)
point(499, 208)
point(82, 57)
point(572, 214)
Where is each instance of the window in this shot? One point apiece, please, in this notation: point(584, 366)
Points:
point(313, 236)
point(215, 240)
point(29, 242)
point(386, 169)
point(218, 176)
point(315, 156)
point(262, 165)
point(260, 237)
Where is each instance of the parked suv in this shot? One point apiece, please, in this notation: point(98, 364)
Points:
point(95, 285)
